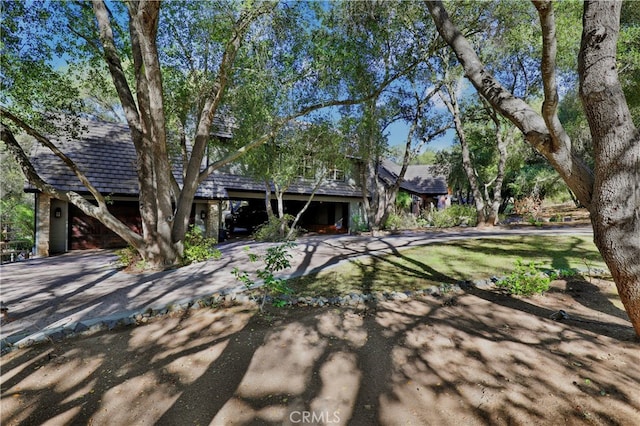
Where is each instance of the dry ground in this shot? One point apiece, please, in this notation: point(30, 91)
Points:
point(479, 357)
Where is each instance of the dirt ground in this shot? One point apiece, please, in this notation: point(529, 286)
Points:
point(470, 358)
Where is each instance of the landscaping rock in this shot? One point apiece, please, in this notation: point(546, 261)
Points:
point(483, 284)
point(398, 296)
point(80, 328)
point(56, 336)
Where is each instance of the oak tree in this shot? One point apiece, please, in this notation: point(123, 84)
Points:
point(610, 190)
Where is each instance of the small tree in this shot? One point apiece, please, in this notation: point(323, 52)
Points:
point(302, 153)
point(276, 259)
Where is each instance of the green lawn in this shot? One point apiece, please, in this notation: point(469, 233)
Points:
point(435, 264)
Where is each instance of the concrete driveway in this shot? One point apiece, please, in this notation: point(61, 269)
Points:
point(81, 288)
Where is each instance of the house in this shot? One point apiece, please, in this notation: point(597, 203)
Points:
point(105, 153)
point(425, 183)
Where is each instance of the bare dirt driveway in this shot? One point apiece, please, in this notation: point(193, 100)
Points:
point(467, 358)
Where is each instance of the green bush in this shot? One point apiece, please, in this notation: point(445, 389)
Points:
point(198, 248)
point(403, 200)
point(127, 256)
point(17, 221)
point(130, 259)
point(276, 229)
point(525, 280)
point(401, 221)
point(276, 259)
point(359, 224)
point(393, 222)
point(455, 215)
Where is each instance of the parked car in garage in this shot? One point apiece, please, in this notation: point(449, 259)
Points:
point(247, 216)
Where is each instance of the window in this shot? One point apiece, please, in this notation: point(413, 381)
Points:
point(336, 174)
point(307, 168)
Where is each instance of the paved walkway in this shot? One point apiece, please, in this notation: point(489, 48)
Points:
point(47, 294)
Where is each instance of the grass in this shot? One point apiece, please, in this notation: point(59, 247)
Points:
point(446, 263)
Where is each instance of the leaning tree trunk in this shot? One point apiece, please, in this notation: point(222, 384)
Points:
point(615, 209)
point(611, 191)
point(449, 98)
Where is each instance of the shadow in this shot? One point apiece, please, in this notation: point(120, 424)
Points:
point(591, 296)
point(222, 379)
point(610, 329)
point(476, 357)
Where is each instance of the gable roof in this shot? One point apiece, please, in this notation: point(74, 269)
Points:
point(418, 179)
point(105, 153)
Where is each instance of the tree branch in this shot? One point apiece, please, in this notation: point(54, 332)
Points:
point(99, 212)
point(67, 161)
point(548, 66)
point(572, 169)
point(115, 65)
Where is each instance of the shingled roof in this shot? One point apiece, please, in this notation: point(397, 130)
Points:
point(418, 179)
point(105, 153)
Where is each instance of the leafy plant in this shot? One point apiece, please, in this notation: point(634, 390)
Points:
point(359, 224)
point(455, 215)
point(130, 259)
point(533, 221)
point(525, 280)
point(401, 221)
point(127, 256)
point(562, 273)
point(403, 200)
point(16, 222)
point(198, 248)
point(276, 229)
point(277, 258)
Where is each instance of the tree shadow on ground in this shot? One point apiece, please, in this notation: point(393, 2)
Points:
point(477, 356)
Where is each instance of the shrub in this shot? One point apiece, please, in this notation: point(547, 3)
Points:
point(198, 248)
point(276, 259)
point(401, 221)
point(130, 259)
point(525, 280)
point(276, 229)
point(403, 200)
point(393, 222)
point(127, 256)
point(17, 220)
point(456, 215)
point(359, 224)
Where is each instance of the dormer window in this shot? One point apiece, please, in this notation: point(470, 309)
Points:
point(307, 168)
point(336, 174)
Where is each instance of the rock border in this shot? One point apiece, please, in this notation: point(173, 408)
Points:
point(95, 325)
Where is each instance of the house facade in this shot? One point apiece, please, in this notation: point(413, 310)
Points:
point(425, 183)
point(105, 153)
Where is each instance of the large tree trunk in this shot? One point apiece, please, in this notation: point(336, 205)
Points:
point(612, 193)
point(158, 217)
point(615, 208)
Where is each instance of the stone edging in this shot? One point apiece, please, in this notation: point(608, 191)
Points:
point(95, 325)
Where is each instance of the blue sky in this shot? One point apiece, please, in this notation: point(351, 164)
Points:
point(398, 136)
